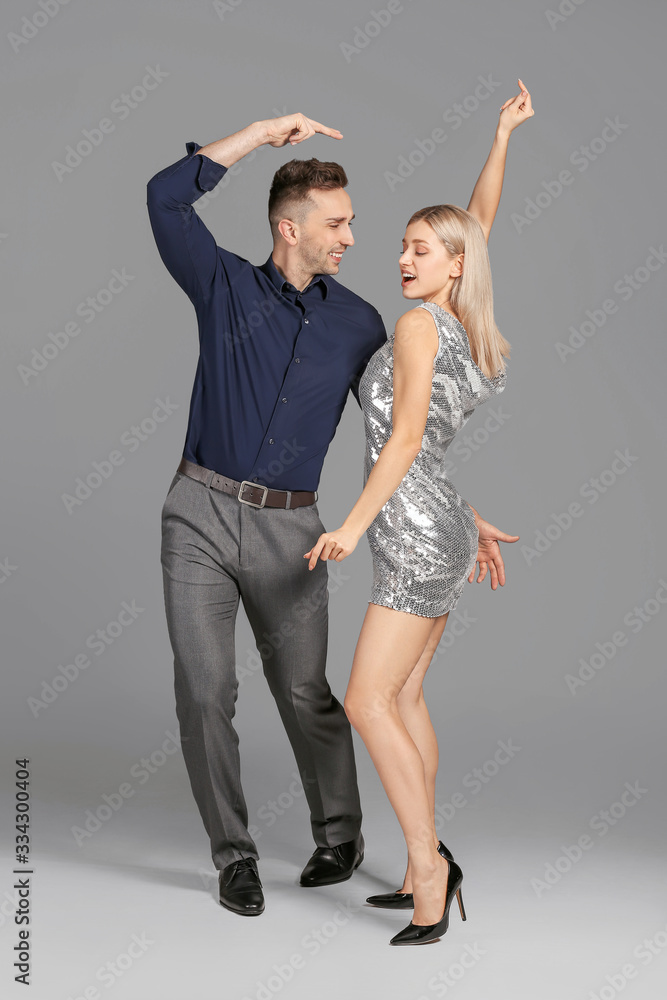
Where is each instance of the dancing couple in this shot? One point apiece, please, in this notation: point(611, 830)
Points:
point(281, 345)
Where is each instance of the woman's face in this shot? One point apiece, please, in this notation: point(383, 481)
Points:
point(425, 264)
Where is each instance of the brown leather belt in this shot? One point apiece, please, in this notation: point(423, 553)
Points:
point(253, 494)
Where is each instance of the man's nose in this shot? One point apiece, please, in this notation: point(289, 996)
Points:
point(349, 239)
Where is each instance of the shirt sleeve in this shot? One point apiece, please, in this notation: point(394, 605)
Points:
point(187, 248)
point(380, 337)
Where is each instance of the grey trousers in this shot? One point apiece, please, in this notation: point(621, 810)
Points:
point(216, 550)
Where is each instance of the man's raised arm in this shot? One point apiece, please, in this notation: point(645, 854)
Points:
point(485, 197)
point(186, 246)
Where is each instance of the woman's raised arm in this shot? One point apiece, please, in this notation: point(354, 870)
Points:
point(485, 197)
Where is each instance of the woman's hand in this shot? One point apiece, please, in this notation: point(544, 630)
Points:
point(332, 545)
point(488, 553)
point(515, 110)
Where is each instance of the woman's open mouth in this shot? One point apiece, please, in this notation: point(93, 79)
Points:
point(407, 277)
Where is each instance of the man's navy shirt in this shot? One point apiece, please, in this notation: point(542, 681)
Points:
point(275, 364)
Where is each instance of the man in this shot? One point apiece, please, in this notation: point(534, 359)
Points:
point(281, 345)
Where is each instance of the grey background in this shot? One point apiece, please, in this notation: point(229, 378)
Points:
point(147, 870)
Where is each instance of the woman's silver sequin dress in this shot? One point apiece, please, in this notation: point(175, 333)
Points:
point(424, 540)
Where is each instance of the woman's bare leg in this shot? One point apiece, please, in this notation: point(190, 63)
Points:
point(414, 713)
point(390, 646)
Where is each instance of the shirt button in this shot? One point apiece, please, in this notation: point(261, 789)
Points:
point(306, 321)
point(284, 399)
point(297, 361)
point(271, 441)
point(255, 479)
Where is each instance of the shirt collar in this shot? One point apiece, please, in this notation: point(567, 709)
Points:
point(272, 272)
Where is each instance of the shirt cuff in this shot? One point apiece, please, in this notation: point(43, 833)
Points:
point(210, 172)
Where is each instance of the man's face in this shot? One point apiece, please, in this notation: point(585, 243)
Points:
point(325, 234)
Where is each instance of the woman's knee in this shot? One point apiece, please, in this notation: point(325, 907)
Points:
point(363, 707)
point(358, 708)
point(352, 705)
point(411, 695)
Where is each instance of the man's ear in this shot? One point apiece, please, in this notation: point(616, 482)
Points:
point(287, 230)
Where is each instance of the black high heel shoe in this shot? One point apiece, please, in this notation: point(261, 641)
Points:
point(404, 900)
point(421, 933)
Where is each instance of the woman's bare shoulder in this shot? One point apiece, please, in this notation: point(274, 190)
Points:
point(416, 314)
point(415, 321)
point(417, 329)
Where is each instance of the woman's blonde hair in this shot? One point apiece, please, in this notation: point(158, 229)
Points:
point(472, 292)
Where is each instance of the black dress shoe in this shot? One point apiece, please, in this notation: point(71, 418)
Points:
point(404, 900)
point(328, 865)
point(241, 889)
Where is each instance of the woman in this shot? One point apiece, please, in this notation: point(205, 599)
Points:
point(444, 358)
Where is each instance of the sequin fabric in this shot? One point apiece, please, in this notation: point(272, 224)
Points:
point(424, 540)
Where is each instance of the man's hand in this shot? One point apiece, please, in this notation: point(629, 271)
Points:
point(294, 129)
point(272, 132)
point(332, 545)
point(488, 554)
point(515, 110)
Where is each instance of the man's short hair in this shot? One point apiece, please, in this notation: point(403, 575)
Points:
point(289, 196)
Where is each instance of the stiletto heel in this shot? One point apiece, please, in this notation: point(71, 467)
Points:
point(421, 933)
point(404, 900)
point(459, 900)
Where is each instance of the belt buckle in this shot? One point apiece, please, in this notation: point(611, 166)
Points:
point(254, 486)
